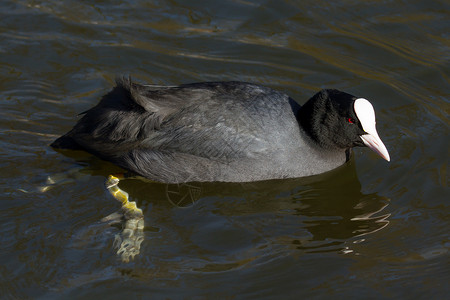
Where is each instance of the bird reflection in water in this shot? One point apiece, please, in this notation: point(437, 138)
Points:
point(330, 209)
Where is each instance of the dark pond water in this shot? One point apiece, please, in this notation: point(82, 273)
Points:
point(368, 230)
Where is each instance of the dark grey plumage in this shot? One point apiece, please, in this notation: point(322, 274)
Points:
point(216, 131)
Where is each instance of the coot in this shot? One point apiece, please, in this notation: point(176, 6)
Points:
point(223, 131)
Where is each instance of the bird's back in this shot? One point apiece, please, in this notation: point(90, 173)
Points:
point(215, 131)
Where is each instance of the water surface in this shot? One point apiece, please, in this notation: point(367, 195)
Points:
point(369, 229)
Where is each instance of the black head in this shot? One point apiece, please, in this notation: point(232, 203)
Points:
point(337, 120)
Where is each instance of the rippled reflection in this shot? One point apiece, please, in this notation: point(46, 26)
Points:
point(329, 211)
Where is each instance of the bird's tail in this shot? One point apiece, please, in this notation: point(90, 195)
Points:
point(66, 142)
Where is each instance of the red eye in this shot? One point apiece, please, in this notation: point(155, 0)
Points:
point(351, 120)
